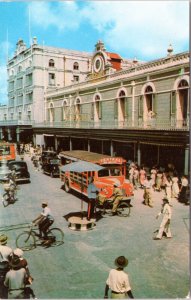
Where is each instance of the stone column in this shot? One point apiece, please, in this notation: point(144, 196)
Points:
point(1, 133)
point(111, 148)
point(186, 161)
point(9, 134)
point(56, 143)
point(18, 134)
point(138, 154)
point(89, 145)
point(70, 143)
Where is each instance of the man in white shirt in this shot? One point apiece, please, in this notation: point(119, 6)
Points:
point(44, 220)
point(165, 224)
point(118, 281)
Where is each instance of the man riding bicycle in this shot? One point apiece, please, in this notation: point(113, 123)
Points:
point(44, 220)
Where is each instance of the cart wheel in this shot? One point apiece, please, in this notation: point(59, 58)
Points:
point(123, 209)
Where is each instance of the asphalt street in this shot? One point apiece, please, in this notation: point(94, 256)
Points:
point(79, 268)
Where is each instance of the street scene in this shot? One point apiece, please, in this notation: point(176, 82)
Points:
point(79, 267)
point(94, 149)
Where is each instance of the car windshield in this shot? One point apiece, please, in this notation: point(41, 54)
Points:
point(109, 172)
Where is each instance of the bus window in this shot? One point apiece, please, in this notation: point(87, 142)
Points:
point(115, 172)
point(103, 173)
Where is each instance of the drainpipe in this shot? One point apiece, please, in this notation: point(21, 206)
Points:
point(133, 102)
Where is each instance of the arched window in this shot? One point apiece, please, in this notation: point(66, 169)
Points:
point(19, 69)
point(51, 63)
point(76, 66)
point(98, 108)
point(149, 100)
point(183, 103)
point(51, 112)
point(120, 107)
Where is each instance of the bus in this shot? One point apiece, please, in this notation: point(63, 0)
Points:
point(114, 172)
point(7, 151)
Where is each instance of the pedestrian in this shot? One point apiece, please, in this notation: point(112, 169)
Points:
point(118, 280)
point(142, 176)
point(136, 177)
point(164, 228)
point(158, 180)
point(92, 195)
point(4, 268)
point(183, 189)
point(168, 188)
point(4, 249)
point(153, 177)
point(175, 186)
point(117, 197)
point(148, 183)
point(15, 280)
point(44, 220)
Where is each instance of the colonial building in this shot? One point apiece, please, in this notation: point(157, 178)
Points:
point(139, 110)
point(30, 72)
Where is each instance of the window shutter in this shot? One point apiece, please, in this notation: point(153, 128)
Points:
point(141, 106)
point(173, 103)
point(92, 111)
point(154, 104)
point(126, 106)
point(100, 110)
point(116, 109)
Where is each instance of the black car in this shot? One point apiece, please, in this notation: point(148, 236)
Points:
point(21, 169)
point(47, 155)
point(51, 167)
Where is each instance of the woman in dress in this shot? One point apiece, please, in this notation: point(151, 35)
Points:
point(142, 176)
point(175, 186)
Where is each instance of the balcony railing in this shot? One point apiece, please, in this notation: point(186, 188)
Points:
point(182, 125)
point(138, 124)
point(16, 122)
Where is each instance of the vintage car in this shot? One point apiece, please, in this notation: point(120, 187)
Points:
point(47, 155)
point(21, 169)
point(51, 167)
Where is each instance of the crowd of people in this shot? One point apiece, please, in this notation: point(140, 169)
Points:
point(159, 179)
point(15, 277)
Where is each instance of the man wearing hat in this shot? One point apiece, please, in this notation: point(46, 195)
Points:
point(44, 220)
point(165, 224)
point(117, 196)
point(5, 251)
point(118, 280)
point(15, 280)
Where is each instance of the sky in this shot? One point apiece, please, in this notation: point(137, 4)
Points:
point(141, 29)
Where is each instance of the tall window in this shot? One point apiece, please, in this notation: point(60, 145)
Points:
point(65, 110)
point(76, 66)
point(51, 78)
point(98, 108)
point(78, 109)
point(183, 102)
point(51, 63)
point(76, 79)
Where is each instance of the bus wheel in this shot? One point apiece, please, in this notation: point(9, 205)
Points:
point(67, 186)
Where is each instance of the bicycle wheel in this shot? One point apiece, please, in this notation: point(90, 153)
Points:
point(124, 209)
point(26, 241)
point(56, 235)
point(5, 200)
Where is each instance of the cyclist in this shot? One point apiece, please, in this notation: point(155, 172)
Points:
point(44, 220)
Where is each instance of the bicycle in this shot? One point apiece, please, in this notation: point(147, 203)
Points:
point(9, 197)
point(123, 209)
point(27, 240)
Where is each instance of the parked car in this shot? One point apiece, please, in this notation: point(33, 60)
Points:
point(21, 169)
point(51, 167)
point(47, 155)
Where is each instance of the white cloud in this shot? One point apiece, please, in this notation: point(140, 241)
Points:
point(139, 28)
point(63, 15)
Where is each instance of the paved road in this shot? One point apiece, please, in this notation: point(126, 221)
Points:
point(79, 268)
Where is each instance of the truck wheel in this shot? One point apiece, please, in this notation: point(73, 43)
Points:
point(67, 186)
